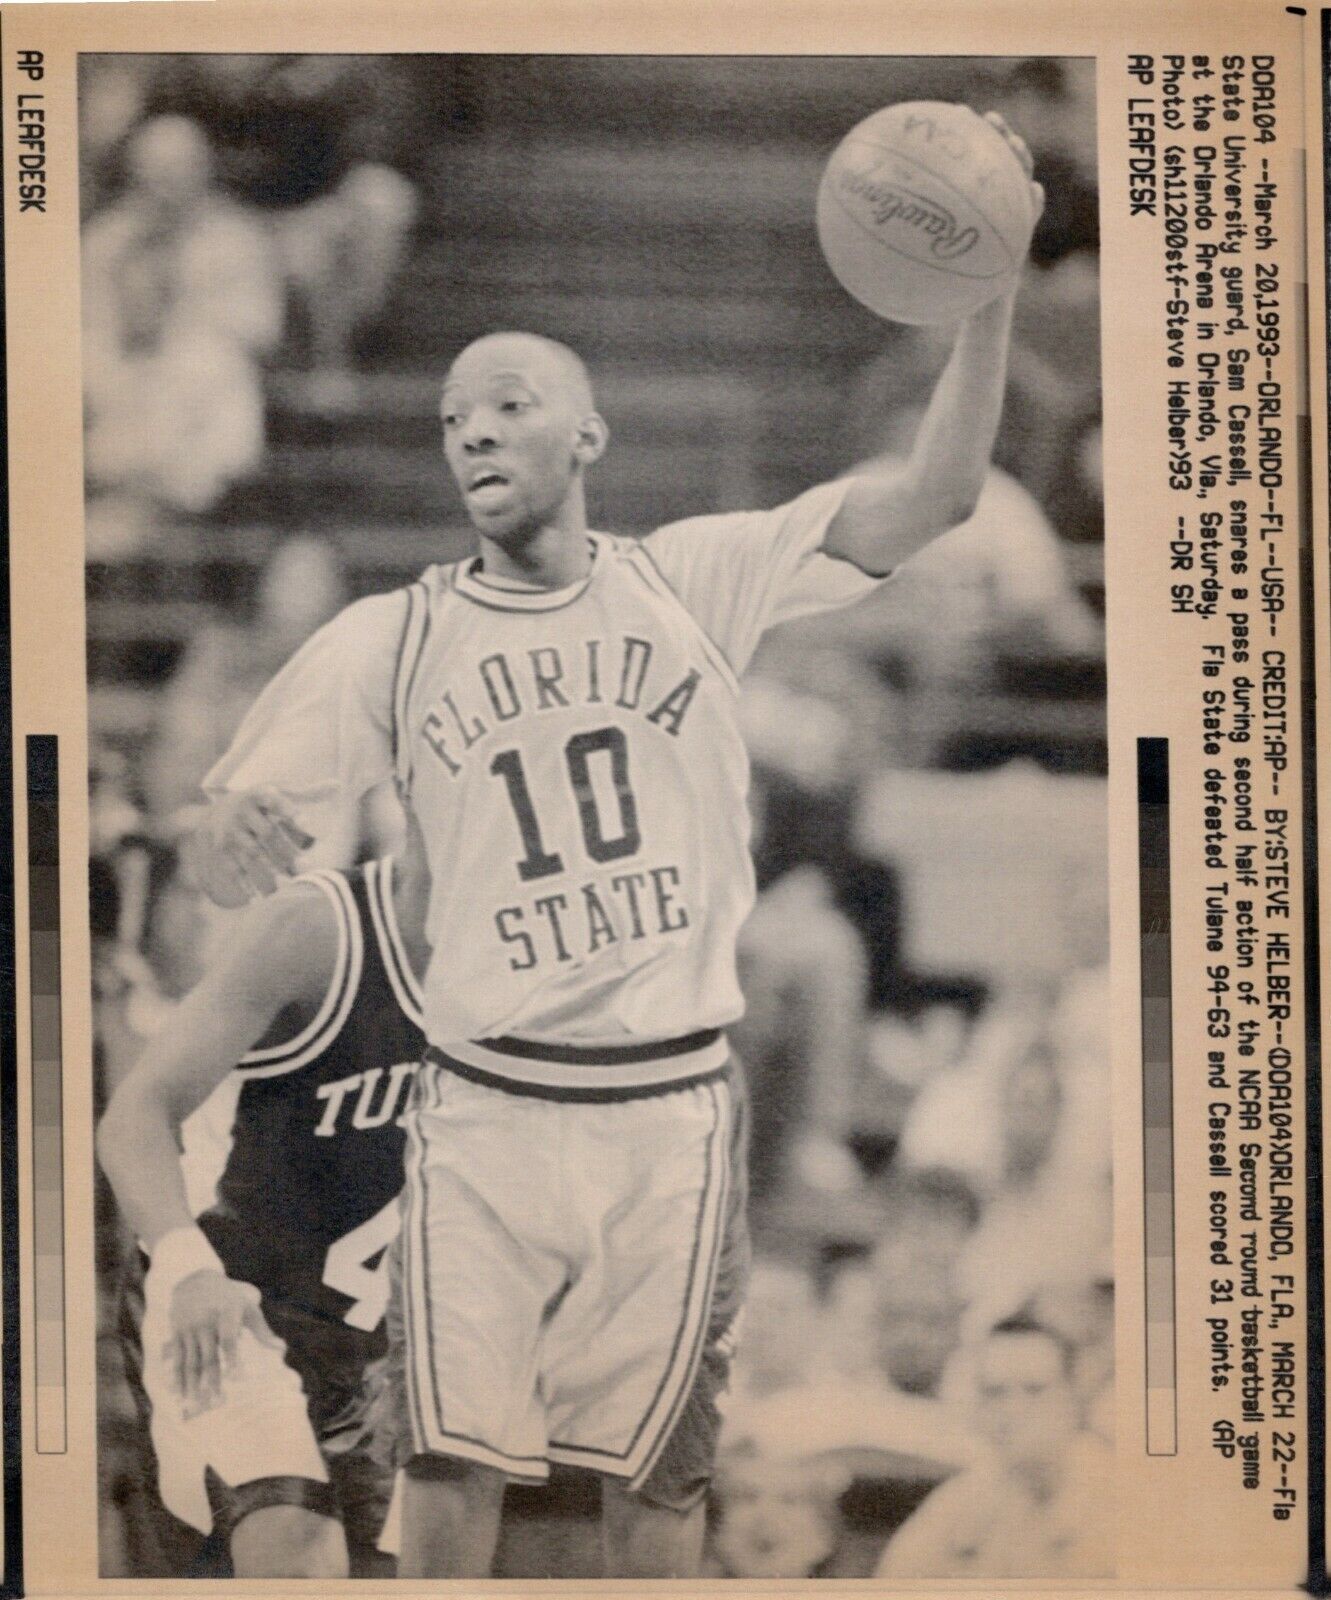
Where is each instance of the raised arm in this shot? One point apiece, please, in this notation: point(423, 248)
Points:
point(887, 516)
point(281, 956)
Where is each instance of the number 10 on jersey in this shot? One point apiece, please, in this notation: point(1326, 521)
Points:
point(604, 839)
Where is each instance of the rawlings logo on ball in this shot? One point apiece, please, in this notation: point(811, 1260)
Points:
point(924, 213)
point(890, 202)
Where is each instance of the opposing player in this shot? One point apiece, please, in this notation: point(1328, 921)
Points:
point(262, 1315)
point(560, 711)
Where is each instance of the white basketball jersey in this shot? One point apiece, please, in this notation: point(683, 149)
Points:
point(574, 760)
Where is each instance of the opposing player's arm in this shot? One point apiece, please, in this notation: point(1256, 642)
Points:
point(887, 517)
point(283, 955)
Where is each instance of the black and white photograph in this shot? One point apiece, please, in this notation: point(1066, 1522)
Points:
point(598, 816)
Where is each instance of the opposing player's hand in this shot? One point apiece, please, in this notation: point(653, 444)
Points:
point(243, 845)
point(208, 1314)
point(1021, 150)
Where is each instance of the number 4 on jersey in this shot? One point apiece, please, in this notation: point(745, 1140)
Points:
point(347, 1269)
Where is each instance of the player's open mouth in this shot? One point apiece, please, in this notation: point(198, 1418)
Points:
point(488, 491)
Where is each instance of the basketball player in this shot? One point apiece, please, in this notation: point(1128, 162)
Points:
point(262, 1313)
point(559, 712)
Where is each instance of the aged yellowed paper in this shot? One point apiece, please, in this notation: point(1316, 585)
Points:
point(765, 570)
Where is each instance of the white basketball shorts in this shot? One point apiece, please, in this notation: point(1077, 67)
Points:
point(567, 1278)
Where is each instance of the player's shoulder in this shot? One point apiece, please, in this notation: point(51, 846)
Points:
point(372, 623)
point(439, 576)
point(224, 226)
point(694, 554)
point(624, 550)
point(373, 628)
point(717, 530)
point(112, 229)
point(432, 588)
point(386, 608)
point(704, 528)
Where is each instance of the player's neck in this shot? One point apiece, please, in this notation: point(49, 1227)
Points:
point(551, 557)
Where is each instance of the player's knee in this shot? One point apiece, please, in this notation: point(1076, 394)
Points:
point(289, 1542)
point(450, 1518)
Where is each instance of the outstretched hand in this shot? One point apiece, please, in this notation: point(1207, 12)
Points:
point(209, 1312)
point(244, 845)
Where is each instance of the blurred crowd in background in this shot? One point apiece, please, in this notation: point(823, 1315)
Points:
point(280, 255)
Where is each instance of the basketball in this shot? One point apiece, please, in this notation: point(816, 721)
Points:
point(924, 212)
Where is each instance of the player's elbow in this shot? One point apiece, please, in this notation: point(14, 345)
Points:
point(886, 518)
point(927, 518)
point(964, 504)
point(115, 1130)
point(112, 1138)
point(938, 503)
point(955, 503)
point(136, 1104)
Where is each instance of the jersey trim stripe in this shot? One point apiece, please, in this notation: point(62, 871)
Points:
point(392, 950)
point(663, 585)
point(341, 996)
point(329, 1002)
point(411, 1292)
point(415, 630)
point(475, 589)
point(585, 1085)
point(660, 1422)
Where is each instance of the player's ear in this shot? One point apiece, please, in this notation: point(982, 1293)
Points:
point(593, 436)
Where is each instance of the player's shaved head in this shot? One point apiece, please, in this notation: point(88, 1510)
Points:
point(545, 359)
point(520, 429)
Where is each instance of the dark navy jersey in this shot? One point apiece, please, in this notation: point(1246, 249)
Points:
point(306, 1203)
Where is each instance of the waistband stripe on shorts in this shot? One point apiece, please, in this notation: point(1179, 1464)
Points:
point(608, 1055)
point(593, 1072)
